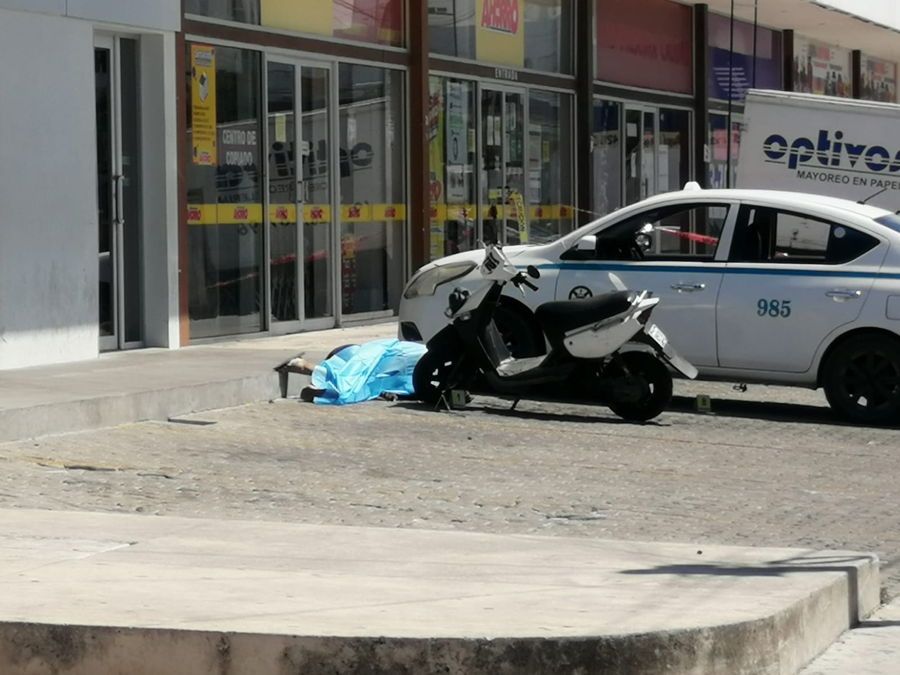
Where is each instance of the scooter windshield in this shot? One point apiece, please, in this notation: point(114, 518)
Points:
point(496, 265)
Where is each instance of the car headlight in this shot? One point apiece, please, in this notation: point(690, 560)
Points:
point(427, 282)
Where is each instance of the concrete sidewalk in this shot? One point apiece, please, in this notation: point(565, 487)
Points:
point(86, 593)
point(123, 387)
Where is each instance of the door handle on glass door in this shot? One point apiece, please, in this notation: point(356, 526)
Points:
point(119, 197)
point(843, 294)
point(688, 288)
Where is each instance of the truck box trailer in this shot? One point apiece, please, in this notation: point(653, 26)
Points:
point(822, 145)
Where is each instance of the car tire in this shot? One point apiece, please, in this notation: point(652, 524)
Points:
point(519, 334)
point(862, 380)
point(431, 376)
point(651, 375)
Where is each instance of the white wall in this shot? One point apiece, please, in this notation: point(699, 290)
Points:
point(48, 200)
point(884, 12)
point(153, 14)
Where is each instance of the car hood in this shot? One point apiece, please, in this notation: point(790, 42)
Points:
point(476, 256)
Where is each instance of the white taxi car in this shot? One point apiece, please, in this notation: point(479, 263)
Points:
point(756, 286)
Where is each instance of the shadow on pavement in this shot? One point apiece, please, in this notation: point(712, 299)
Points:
point(771, 411)
point(603, 416)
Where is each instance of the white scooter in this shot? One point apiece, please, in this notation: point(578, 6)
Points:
point(600, 349)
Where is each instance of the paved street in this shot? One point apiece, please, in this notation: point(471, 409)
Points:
point(770, 467)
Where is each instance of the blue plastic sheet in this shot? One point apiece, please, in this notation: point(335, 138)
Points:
point(365, 372)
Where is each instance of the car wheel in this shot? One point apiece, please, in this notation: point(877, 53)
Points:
point(862, 380)
point(518, 333)
point(641, 393)
point(431, 376)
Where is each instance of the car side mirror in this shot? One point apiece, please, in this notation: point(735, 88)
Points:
point(587, 243)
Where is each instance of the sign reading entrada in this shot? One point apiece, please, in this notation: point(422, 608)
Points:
point(841, 161)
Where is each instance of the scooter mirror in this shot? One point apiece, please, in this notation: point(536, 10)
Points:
point(533, 272)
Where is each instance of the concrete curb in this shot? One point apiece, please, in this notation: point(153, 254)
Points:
point(160, 404)
point(198, 597)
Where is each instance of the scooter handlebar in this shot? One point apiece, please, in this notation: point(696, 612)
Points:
point(521, 280)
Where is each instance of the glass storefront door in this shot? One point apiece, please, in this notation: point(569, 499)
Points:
point(118, 198)
point(638, 151)
point(640, 154)
point(501, 209)
point(300, 224)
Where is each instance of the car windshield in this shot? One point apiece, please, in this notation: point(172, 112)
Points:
point(891, 220)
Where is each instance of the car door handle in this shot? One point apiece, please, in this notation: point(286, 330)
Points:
point(688, 288)
point(843, 294)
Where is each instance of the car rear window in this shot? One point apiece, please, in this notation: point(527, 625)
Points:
point(892, 221)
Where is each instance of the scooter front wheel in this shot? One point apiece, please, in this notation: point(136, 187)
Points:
point(431, 376)
point(641, 387)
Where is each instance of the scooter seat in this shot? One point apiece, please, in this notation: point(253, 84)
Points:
point(558, 318)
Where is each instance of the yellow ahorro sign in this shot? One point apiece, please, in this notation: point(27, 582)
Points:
point(304, 16)
point(500, 32)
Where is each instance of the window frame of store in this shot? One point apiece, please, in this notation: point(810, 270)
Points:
point(519, 82)
point(301, 50)
point(646, 101)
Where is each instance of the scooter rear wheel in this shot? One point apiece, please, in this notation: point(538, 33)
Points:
point(431, 376)
point(644, 391)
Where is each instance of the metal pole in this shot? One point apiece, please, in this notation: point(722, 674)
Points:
point(755, 30)
point(730, 95)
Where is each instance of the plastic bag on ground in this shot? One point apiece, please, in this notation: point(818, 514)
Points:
point(365, 372)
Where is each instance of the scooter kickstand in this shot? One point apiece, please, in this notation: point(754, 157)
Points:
point(515, 403)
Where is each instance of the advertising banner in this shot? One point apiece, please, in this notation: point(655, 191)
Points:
point(456, 133)
point(309, 16)
point(732, 74)
point(645, 43)
point(436, 166)
point(822, 69)
point(879, 80)
point(203, 105)
point(500, 32)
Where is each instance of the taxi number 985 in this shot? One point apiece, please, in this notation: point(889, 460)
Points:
point(777, 309)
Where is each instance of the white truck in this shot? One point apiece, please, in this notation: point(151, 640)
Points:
point(822, 145)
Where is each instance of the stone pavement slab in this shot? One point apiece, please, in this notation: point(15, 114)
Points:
point(89, 593)
point(154, 384)
point(873, 648)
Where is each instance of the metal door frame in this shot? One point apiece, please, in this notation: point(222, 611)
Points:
point(116, 342)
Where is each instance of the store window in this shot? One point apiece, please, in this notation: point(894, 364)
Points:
point(242, 11)
point(533, 34)
point(721, 153)
point(607, 156)
point(224, 190)
point(879, 80)
point(820, 68)
point(756, 61)
point(372, 194)
point(451, 152)
point(645, 43)
point(550, 197)
point(375, 21)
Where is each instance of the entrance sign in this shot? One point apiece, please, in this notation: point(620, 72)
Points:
point(203, 108)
